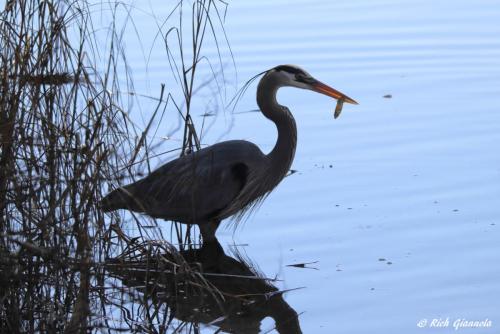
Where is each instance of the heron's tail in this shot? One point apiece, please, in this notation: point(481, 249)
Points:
point(117, 199)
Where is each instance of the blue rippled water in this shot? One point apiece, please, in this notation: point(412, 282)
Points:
point(399, 199)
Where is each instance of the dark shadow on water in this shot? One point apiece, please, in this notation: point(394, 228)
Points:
point(213, 289)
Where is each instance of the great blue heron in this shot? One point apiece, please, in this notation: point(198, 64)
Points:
point(227, 178)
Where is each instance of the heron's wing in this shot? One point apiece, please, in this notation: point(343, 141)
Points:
point(198, 186)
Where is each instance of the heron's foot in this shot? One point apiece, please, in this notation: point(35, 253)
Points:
point(208, 230)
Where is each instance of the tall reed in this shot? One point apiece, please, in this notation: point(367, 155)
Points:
point(66, 137)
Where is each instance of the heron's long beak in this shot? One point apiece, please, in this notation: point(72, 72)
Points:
point(320, 87)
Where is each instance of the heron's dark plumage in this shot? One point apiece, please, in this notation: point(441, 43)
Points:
point(288, 68)
point(192, 188)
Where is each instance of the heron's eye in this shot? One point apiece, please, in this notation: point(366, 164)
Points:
point(300, 77)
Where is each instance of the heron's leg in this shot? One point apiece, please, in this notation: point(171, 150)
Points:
point(208, 230)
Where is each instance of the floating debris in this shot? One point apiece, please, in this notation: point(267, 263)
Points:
point(303, 265)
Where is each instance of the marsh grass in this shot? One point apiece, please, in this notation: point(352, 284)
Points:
point(66, 138)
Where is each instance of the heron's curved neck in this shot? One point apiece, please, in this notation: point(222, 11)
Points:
point(282, 155)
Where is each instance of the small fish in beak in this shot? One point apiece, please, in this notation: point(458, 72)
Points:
point(338, 108)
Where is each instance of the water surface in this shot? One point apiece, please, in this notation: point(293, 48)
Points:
point(398, 199)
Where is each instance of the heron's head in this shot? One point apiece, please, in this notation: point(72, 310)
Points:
point(294, 76)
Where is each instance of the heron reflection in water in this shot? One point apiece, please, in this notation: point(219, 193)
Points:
point(227, 178)
point(235, 297)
